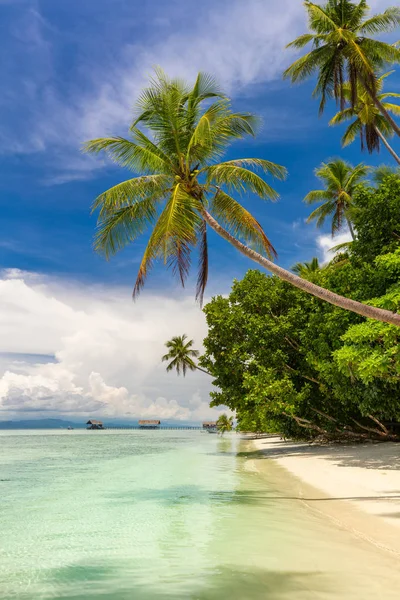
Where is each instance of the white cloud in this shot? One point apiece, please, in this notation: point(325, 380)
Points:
point(241, 43)
point(326, 242)
point(108, 352)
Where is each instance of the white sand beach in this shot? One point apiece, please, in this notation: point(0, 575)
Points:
point(357, 486)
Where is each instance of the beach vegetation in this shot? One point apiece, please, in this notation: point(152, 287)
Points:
point(341, 34)
point(177, 139)
point(181, 356)
point(288, 363)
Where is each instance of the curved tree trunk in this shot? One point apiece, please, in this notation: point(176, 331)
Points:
point(203, 371)
point(388, 146)
point(364, 310)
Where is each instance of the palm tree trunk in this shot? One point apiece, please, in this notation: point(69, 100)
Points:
point(364, 310)
point(388, 146)
point(203, 371)
point(349, 223)
point(380, 106)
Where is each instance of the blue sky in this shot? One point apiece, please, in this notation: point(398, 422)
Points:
point(72, 70)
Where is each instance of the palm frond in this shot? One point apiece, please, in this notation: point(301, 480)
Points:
point(305, 66)
point(319, 19)
point(130, 191)
point(240, 222)
point(172, 237)
point(240, 179)
point(321, 213)
point(128, 154)
point(386, 21)
point(342, 116)
point(317, 196)
point(351, 132)
point(302, 40)
point(123, 226)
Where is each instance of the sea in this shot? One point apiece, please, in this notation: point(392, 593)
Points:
point(157, 515)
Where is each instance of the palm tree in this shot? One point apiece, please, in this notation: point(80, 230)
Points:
point(340, 45)
point(181, 355)
point(182, 189)
point(305, 268)
point(224, 424)
point(340, 181)
point(368, 123)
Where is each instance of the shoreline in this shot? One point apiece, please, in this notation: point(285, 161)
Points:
point(356, 486)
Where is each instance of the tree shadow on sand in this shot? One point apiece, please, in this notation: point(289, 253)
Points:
point(384, 456)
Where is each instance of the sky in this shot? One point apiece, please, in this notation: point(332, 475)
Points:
point(72, 342)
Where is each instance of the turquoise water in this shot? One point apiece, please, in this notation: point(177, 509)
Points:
point(166, 515)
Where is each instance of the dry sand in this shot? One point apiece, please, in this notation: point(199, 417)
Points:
point(357, 486)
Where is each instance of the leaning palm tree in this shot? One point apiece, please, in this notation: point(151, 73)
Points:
point(367, 122)
point(180, 355)
point(182, 189)
point(306, 268)
point(224, 424)
point(340, 181)
point(341, 48)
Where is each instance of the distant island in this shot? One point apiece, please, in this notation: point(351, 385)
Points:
point(40, 424)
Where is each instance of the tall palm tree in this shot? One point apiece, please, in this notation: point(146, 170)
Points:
point(340, 180)
point(181, 354)
point(368, 123)
point(339, 33)
point(224, 424)
point(182, 189)
point(305, 268)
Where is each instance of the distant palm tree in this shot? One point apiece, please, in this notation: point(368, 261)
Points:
point(181, 355)
point(224, 424)
point(340, 179)
point(305, 268)
point(182, 189)
point(368, 123)
point(341, 47)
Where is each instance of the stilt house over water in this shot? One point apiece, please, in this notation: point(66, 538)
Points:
point(149, 424)
point(209, 425)
point(93, 424)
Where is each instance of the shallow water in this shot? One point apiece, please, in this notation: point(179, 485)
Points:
point(166, 515)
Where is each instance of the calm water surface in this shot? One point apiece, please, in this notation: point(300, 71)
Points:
point(166, 515)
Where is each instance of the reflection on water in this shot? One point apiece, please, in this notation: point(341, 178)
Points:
point(165, 515)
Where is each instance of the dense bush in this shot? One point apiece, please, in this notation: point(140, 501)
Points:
point(287, 362)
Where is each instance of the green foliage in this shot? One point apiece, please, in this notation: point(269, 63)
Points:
point(340, 181)
point(287, 362)
point(377, 219)
point(180, 355)
point(224, 424)
point(176, 138)
point(367, 121)
point(341, 47)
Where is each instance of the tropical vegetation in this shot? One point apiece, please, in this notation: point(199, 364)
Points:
point(340, 181)
point(283, 354)
point(182, 189)
point(181, 355)
point(224, 424)
point(367, 122)
point(341, 48)
point(286, 362)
